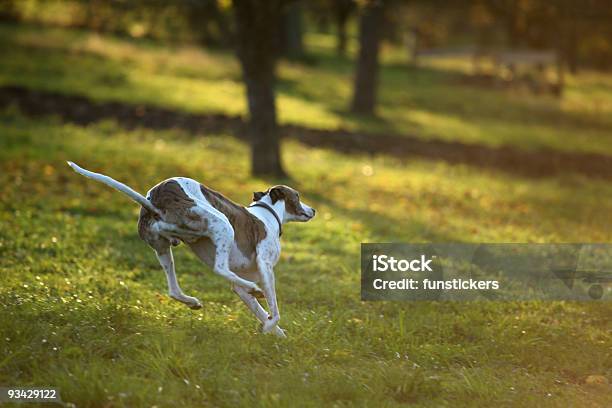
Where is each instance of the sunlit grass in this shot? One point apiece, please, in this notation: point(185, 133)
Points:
point(425, 102)
point(83, 303)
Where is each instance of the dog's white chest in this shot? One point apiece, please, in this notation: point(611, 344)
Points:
point(269, 250)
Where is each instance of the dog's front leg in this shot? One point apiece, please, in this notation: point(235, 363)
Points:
point(267, 279)
point(256, 308)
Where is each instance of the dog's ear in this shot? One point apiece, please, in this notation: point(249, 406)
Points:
point(258, 195)
point(276, 194)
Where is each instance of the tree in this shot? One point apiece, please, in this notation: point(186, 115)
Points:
point(366, 79)
point(570, 27)
point(208, 20)
point(292, 31)
point(257, 35)
point(342, 10)
point(9, 10)
point(336, 11)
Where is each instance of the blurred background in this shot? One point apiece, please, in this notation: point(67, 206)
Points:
point(399, 121)
point(484, 72)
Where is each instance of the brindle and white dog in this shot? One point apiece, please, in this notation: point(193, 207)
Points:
point(241, 244)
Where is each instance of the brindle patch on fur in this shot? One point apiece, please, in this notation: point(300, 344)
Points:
point(169, 196)
point(248, 229)
point(155, 241)
point(175, 205)
point(291, 197)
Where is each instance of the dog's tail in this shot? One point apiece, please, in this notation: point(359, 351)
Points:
point(139, 198)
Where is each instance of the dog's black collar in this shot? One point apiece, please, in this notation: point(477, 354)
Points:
point(269, 208)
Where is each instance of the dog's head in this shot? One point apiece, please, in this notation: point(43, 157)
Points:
point(295, 210)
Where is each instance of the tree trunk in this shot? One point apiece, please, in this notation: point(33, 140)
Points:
point(9, 11)
point(294, 44)
point(341, 41)
point(208, 22)
point(257, 34)
point(571, 51)
point(342, 10)
point(364, 98)
point(263, 129)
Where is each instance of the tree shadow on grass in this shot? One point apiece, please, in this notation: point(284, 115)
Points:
point(443, 92)
point(434, 90)
point(459, 97)
point(536, 164)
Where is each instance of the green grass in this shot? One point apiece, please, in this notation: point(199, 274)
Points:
point(427, 102)
point(83, 303)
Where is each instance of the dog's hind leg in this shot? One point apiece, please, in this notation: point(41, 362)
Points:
point(223, 245)
point(166, 260)
point(256, 308)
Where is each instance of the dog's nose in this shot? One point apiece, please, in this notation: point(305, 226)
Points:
point(314, 212)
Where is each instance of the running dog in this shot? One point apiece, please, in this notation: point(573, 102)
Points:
point(240, 244)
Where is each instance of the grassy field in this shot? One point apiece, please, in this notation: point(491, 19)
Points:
point(428, 102)
point(83, 303)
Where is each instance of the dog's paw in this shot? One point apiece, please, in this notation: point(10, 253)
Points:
point(195, 306)
point(270, 324)
point(251, 287)
point(280, 332)
point(190, 302)
point(193, 303)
